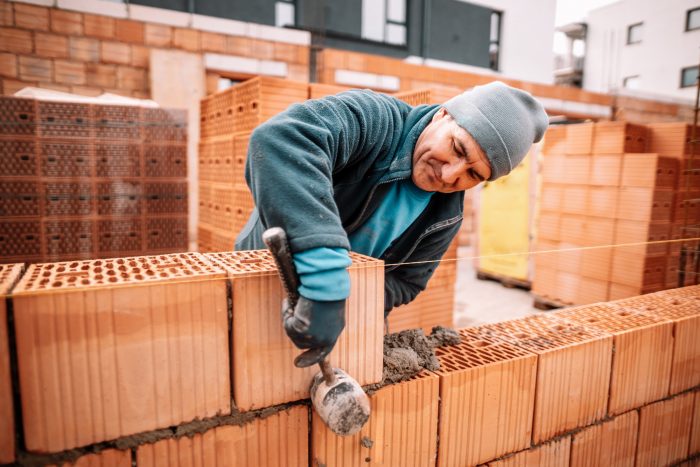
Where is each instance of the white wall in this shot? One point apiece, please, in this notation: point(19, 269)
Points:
point(527, 36)
point(665, 48)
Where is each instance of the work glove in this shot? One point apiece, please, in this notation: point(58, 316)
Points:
point(314, 324)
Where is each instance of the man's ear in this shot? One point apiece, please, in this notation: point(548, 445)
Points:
point(441, 113)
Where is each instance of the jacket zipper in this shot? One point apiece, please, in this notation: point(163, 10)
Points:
point(438, 226)
point(351, 228)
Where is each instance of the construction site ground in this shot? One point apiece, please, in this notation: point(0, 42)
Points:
point(484, 301)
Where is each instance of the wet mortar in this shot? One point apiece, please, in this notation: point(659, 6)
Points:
point(408, 352)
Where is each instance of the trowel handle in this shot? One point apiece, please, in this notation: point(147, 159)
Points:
point(276, 240)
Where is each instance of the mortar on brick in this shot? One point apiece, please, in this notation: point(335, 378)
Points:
point(408, 352)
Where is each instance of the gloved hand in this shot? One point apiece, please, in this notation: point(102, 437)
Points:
point(313, 324)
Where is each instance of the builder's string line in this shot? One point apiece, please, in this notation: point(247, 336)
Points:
point(67, 288)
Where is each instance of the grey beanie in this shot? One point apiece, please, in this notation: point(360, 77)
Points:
point(505, 121)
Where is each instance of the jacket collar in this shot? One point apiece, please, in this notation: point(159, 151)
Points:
point(417, 119)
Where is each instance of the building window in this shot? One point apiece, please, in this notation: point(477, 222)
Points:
point(689, 76)
point(634, 33)
point(692, 19)
point(384, 21)
point(495, 40)
point(284, 13)
point(631, 82)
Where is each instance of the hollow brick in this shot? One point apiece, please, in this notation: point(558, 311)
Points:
point(613, 442)
point(664, 431)
point(552, 454)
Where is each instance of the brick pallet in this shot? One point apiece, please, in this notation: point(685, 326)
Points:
point(156, 346)
point(604, 195)
point(81, 181)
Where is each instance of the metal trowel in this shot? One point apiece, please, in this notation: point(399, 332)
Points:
point(337, 398)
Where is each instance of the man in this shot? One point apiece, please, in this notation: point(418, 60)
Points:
point(367, 172)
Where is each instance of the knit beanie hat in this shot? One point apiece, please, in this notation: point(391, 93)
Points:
point(505, 121)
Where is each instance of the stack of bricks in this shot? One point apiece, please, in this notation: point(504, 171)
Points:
point(227, 121)
point(606, 212)
point(162, 359)
point(673, 140)
point(82, 180)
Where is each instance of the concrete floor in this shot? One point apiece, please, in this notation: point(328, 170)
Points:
point(484, 301)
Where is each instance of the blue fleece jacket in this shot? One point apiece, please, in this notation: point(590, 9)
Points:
point(322, 271)
point(320, 170)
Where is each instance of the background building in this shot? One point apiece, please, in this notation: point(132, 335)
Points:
point(644, 46)
point(484, 36)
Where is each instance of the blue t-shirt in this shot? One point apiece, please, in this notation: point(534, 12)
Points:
point(323, 271)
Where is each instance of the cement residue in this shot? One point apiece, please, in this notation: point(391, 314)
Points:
point(366, 442)
point(442, 336)
point(408, 352)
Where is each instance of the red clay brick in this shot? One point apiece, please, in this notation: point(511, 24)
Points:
point(116, 52)
point(54, 87)
point(35, 69)
point(649, 170)
point(257, 295)
point(127, 30)
point(134, 79)
point(32, 17)
point(262, 50)
point(16, 40)
point(670, 139)
point(613, 442)
point(103, 76)
point(11, 86)
point(554, 140)
point(606, 170)
point(6, 14)
point(69, 72)
point(158, 35)
point(619, 137)
point(213, 42)
point(298, 72)
point(66, 22)
point(128, 345)
point(99, 26)
point(577, 169)
point(140, 56)
point(579, 138)
point(187, 39)
point(641, 367)
point(280, 439)
point(573, 371)
point(237, 45)
point(403, 428)
point(492, 385)
point(106, 458)
point(695, 429)
point(664, 431)
point(9, 273)
point(8, 65)
point(554, 454)
point(285, 52)
point(684, 311)
point(84, 49)
point(50, 45)
point(85, 91)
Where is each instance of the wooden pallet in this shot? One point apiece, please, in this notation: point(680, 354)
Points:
point(507, 282)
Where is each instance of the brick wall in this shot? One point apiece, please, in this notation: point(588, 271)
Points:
point(126, 362)
point(90, 54)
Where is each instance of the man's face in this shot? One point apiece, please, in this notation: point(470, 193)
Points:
point(446, 158)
